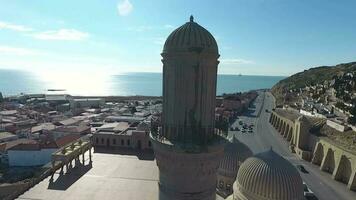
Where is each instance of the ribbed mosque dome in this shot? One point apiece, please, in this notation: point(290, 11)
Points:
point(268, 176)
point(190, 37)
point(235, 153)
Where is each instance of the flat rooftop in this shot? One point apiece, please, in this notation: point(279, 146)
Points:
point(125, 176)
point(111, 176)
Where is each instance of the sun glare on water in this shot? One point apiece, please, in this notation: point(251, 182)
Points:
point(77, 83)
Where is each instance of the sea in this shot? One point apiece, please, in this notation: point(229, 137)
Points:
point(14, 82)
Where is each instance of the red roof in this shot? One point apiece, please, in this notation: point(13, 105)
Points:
point(32, 145)
point(7, 145)
point(24, 145)
point(66, 139)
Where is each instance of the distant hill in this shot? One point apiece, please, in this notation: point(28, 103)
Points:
point(312, 76)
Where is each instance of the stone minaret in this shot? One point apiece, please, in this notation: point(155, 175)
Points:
point(187, 147)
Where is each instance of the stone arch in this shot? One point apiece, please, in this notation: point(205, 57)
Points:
point(296, 132)
point(280, 130)
point(271, 118)
point(344, 170)
point(284, 127)
point(280, 124)
point(285, 133)
point(289, 134)
point(277, 123)
point(318, 154)
point(329, 162)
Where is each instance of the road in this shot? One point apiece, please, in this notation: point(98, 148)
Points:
point(264, 136)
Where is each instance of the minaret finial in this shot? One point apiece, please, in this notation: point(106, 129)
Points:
point(191, 18)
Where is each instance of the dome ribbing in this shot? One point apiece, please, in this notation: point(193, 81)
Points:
point(268, 176)
point(190, 37)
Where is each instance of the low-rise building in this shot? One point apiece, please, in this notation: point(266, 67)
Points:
point(86, 103)
point(35, 153)
point(6, 137)
point(119, 135)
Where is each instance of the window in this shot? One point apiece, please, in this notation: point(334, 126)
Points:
point(122, 142)
point(102, 140)
point(114, 141)
point(128, 142)
point(149, 144)
point(96, 140)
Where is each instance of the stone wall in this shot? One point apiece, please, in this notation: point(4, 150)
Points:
point(340, 163)
point(336, 126)
point(137, 140)
point(331, 158)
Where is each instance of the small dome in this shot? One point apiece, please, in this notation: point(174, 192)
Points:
point(235, 153)
point(190, 37)
point(268, 176)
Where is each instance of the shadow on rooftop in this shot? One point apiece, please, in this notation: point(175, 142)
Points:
point(64, 181)
point(141, 154)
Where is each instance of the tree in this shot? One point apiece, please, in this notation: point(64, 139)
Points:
point(352, 119)
point(133, 110)
point(1, 97)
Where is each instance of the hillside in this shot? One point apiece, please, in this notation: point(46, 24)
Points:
point(310, 77)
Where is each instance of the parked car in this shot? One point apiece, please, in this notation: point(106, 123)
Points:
point(302, 169)
point(308, 194)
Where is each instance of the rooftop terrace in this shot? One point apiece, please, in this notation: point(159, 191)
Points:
point(111, 176)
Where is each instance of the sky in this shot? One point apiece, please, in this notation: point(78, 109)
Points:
point(255, 37)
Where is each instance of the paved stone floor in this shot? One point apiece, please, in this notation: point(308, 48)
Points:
point(124, 176)
point(111, 176)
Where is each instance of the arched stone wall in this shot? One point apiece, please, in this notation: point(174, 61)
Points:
point(290, 133)
point(328, 164)
point(332, 159)
point(318, 154)
point(285, 133)
point(283, 127)
point(344, 170)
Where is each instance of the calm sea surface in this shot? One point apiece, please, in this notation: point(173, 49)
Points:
point(15, 82)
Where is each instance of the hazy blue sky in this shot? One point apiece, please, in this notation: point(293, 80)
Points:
point(265, 37)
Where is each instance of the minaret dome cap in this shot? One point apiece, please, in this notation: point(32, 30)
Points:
point(190, 37)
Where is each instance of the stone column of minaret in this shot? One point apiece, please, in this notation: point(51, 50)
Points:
point(187, 147)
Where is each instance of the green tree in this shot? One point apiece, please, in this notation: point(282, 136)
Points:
point(352, 120)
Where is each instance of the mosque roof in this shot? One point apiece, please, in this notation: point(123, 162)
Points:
point(235, 153)
point(268, 176)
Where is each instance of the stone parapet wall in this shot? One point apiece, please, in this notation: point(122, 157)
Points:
point(337, 126)
point(336, 161)
point(187, 175)
point(331, 158)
